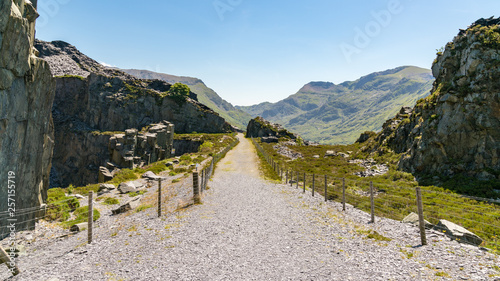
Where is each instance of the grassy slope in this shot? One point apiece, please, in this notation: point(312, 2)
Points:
point(331, 114)
point(398, 197)
point(206, 95)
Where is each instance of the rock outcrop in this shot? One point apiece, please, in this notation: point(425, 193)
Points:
point(94, 102)
point(26, 128)
point(261, 128)
point(136, 149)
point(455, 130)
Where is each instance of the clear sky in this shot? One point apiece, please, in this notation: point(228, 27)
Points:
point(251, 51)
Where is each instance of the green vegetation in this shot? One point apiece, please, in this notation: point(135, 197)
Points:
point(81, 216)
point(338, 114)
point(134, 194)
point(106, 133)
point(143, 207)
point(59, 206)
point(442, 274)
point(179, 92)
point(111, 201)
point(71, 76)
point(489, 36)
point(123, 176)
point(396, 195)
point(206, 146)
point(372, 234)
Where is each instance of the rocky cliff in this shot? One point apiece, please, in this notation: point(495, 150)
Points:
point(26, 128)
point(91, 101)
point(455, 130)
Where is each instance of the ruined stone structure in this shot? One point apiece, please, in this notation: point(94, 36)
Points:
point(135, 148)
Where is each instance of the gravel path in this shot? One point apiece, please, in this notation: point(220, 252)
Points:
point(250, 229)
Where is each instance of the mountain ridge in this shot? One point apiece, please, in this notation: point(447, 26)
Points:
point(205, 95)
point(337, 113)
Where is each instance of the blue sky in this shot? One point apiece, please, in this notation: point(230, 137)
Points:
point(251, 51)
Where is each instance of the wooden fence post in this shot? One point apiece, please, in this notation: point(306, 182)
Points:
point(91, 217)
point(343, 194)
point(304, 183)
point(313, 186)
point(372, 200)
point(286, 176)
point(159, 197)
point(326, 188)
point(5, 258)
point(196, 189)
point(421, 222)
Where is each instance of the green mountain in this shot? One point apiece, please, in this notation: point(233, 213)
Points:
point(207, 96)
point(338, 114)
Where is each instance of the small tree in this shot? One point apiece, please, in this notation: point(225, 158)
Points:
point(179, 92)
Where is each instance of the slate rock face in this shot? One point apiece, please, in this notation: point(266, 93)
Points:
point(26, 95)
point(93, 103)
point(456, 130)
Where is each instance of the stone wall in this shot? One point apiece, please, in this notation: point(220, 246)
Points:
point(26, 95)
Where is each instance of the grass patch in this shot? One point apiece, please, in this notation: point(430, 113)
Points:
point(124, 176)
point(442, 274)
point(59, 206)
point(143, 207)
point(135, 194)
point(111, 201)
point(372, 234)
point(81, 216)
point(266, 170)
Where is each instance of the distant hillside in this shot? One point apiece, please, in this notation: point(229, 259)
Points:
point(337, 114)
point(206, 95)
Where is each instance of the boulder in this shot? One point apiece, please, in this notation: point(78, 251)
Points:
point(79, 227)
point(104, 174)
point(316, 156)
point(150, 175)
point(412, 218)
point(105, 188)
point(130, 205)
point(456, 232)
point(126, 187)
point(269, 139)
point(330, 153)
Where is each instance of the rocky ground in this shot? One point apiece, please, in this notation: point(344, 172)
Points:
point(250, 229)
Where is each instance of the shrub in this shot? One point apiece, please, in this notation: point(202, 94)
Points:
point(185, 157)
point(59, 205)
point(206, 146)
point(179, 92)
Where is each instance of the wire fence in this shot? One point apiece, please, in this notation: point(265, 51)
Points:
point(478, 215)
point(200, 179)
